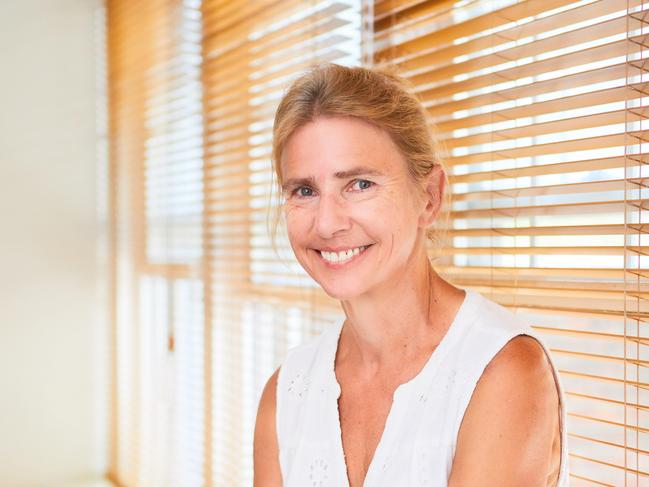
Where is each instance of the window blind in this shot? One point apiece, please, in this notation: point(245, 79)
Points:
point(261, 303)
point(204, 309)
point(156, 154)
point(540, 109)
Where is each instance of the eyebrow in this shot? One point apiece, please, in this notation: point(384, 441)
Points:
point(356, 171)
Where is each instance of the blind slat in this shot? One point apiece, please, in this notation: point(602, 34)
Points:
point(565, 83)
point(581, 100)
point(446, 55)
point(459, 29)
point(535, 68)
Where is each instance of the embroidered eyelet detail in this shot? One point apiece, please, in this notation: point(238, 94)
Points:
point(429, 459)
point(299, 385)
point(387, 462)
point(318, 472)
point(451, 378)
point(424, 462)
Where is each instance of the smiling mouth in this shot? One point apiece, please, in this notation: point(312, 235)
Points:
point(337, 260)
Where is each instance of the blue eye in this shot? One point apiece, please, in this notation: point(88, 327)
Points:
point(370, 183)
point(300, 194)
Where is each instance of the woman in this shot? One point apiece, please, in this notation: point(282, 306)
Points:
point(424, 383)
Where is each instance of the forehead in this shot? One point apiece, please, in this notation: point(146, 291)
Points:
point(334, 143)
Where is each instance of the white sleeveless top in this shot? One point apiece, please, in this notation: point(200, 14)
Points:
point(421, 429)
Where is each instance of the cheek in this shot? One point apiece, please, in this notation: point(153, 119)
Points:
point(297, 221)
point(396, 211)
point(291, 215)
point(396, 221)
point(379, 216)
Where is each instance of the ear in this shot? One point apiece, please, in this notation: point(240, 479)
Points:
point(434, 187)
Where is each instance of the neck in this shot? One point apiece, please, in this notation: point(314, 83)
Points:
point(398, 321)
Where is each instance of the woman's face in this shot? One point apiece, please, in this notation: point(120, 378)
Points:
point(346, 187)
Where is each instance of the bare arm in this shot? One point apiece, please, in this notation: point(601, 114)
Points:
point(506, 435)
point(267, 471)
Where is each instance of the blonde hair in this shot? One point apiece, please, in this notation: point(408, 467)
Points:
point(377, 95)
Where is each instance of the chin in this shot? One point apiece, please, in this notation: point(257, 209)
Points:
point(341, 292)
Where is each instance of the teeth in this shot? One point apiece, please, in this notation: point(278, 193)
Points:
point(341, 256)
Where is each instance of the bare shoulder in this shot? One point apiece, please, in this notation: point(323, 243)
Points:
point(506, 435)
point(267, 471)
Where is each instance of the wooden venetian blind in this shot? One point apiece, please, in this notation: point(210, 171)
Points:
point(259, 305)
point(156, 156)
point(203, 309)
point(539, 107)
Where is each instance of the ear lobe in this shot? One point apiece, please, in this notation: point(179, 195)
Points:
point(433, 191)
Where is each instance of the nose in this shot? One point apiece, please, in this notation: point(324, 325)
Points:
point(331, 216)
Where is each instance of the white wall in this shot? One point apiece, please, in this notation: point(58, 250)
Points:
point(52, 338)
